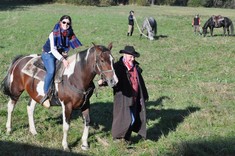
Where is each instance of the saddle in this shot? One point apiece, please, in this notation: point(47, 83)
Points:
point(217, 19)
point(36, 69)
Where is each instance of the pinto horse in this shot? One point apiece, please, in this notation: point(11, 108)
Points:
point(73, 90)
point(150, 25)
point(218, 22)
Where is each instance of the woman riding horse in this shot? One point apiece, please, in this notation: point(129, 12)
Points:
point(73, 91)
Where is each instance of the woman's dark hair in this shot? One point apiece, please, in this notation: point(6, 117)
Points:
point(66, 17)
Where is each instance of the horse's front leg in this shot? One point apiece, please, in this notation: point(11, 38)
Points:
point(211, 32)
point(141, 32)
point(30, 110)
point(66, 112)
point(86, 118)
point(10, 107)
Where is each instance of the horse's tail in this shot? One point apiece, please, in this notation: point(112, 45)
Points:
point(5, 84)
point(232, 28)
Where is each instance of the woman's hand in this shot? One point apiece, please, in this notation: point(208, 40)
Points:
point(66, 63)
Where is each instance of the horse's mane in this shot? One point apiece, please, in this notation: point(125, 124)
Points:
point(82, 54)
point(208, 22)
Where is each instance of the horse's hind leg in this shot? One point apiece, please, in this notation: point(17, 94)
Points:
point(224, 31)
point(86, 118)
point(228, 31)
point(30, 110)
point(10, 107)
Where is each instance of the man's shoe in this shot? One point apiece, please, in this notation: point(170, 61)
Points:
point(46, 103)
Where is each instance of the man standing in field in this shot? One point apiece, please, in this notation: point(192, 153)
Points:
point(130, 95)
point(131, 19)
point(196, 24)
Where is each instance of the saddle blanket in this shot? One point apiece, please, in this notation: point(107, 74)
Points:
point(35, 68)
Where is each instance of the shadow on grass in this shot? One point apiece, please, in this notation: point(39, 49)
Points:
point(155, 37)
point(11, 148)
point(101, 115)
point(169, 119)
point(160, 36)
point(214, 147)
point(220, 35)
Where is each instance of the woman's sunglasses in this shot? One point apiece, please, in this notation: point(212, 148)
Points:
point(65, 22)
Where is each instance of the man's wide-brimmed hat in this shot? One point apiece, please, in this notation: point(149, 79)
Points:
point(130, 50)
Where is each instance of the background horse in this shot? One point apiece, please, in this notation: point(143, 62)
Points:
point(218, 22)
point(151, 25)
point(73, 91)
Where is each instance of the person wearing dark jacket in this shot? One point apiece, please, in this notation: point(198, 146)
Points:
point(196, 24)
point(130, 95)
point(131, 19)
point(57, 46)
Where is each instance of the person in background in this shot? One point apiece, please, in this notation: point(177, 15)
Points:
point(131, 19)
point(196, 24)
point(56, 47)
point(130, 95)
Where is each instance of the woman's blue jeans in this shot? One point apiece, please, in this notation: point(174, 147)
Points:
point(49, 62)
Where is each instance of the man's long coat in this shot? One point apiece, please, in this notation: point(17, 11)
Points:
point(123, 100)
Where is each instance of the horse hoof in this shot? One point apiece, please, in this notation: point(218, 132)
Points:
point(67, 149)
point(33, 133)
point(85, 148)
point(8, 133)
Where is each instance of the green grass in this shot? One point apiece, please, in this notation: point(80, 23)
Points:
point(190, 79)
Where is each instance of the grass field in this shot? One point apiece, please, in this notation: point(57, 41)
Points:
point(190, 79)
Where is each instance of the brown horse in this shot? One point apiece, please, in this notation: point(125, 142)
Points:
point(73, 90)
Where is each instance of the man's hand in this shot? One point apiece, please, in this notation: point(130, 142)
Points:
point(100, 82)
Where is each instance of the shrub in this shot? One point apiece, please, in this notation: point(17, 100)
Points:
point(194, 3)
point(142, 2)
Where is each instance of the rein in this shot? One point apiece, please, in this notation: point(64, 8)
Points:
point(80, 91)
point(139, 29)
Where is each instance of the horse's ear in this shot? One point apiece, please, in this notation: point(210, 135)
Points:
point(93, 43)
point(110, 46)
point(97, 48)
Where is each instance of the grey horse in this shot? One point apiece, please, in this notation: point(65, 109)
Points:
point(150, 25)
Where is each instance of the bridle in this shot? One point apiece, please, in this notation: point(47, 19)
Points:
point(100, 72)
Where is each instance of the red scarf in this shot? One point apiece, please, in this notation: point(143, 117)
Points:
point(133, 78)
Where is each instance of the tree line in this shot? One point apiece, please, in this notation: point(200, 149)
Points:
point(191, 3)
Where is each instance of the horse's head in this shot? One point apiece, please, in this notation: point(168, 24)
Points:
point(151, 34)
point(104, 64)
point(208, 23)
point(204, 31)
